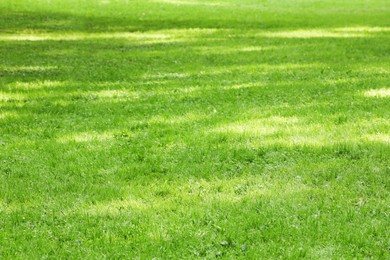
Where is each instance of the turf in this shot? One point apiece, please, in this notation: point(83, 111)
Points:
point(192, 128)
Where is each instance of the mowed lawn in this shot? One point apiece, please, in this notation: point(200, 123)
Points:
point(159, 129)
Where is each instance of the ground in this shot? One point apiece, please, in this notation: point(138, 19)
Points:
point(191, 128)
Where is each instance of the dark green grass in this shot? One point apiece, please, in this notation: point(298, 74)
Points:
point(184, 129)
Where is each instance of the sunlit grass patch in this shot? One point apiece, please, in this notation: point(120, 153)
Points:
point(71, 36)
point(5, 97)
point(117, 95)
point(277, 130)
point(262, 126)
point(193, 3)
point(166, 76)
point(85, 137)
point(7, 208)
point(379, 93)
point(379, 137)
point(26, 68)
point(150, 37)
point(45, 84)
point(363, 29)
point(293, 131)
point(244, 86)
point(234, 50)
point(8, 114)
point(347, 32)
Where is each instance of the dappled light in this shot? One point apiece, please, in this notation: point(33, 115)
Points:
point(118, 95)
point(8, 208)
point(142, 37)
point(224, 50)
point(151, 37)
point(349, 32)
point(11, 69)
point(171, 129)
point(10, 97)
point(86, 137)
point(10, 114)
point(192, 34)
point(194, 3)
point(166, 76)
point(293, 131)
point(244, 86)
point(46, 84)
point(379, 137)
point(378, 93)
point(362, 29)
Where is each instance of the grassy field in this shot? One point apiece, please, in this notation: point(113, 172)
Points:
point(192, 128)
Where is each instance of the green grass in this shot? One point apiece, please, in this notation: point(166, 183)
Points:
point(193, 128)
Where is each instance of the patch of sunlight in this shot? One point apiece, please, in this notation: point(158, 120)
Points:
point(256, 48)
point(234, 5)
point(36, 84)
point(150, 37)
point(363, 29)
point(187, 90)
point(243, 86)
point(115, 207)
point(325, 33)
point(159, 233)
point(112, 93)
point(85, 137)
point(166, 76)
point(191, 31)
point(231, 50)
point(379, 137)
point(322, 252)
point(8, 114)
point(192, 3)
point(380, 93)
point(288, 131)
point(7, 208)
point(291, 131)
point(311, 34)
point(374, 70)
point(259, 126)
point(11, 97)
point(120, 95)
point(26, 68)
point(179, 119)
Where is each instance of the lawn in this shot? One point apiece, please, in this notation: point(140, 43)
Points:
point(159, 129)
